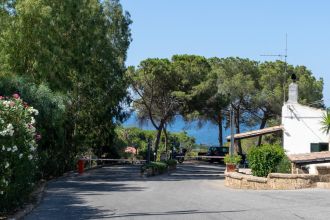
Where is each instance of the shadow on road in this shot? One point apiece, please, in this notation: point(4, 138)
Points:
point(185, 171)
point(66, 196)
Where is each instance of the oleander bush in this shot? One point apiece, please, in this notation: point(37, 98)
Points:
point(265, 159)
point(56, 155)
point(18, 145)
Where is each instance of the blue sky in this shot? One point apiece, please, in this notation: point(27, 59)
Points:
point(222, 28)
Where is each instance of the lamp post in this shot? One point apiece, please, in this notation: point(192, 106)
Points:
point(148, 153)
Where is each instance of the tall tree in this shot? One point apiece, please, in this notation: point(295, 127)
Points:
point(78, 48)
point(154, 82)
point(237, 80)
point(202, 100)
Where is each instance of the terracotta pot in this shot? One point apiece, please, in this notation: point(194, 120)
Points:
point(230, 167)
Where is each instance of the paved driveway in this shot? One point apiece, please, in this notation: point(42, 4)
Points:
point(194, 191)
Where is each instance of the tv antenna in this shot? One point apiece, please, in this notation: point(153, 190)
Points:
point(281, 56)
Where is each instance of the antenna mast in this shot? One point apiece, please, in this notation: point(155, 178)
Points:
point(281, 56)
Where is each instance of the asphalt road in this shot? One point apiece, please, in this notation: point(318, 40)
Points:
point(194, 191)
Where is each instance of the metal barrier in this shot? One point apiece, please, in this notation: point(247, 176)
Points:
point(201, 157)
point(81, 165)
point(117, 160)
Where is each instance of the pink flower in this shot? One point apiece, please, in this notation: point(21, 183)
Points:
point(1, 97)
point(12, 104)
point(16, 96)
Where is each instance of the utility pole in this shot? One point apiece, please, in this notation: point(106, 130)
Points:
point(231, 150)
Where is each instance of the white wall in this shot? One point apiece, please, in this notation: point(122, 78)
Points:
point(302, 126)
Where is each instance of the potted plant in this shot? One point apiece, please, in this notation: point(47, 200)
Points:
point(231, 162)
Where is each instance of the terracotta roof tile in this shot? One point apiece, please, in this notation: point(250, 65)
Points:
point(310, 157)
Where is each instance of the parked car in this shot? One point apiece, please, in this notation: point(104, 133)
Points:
point(217, 151)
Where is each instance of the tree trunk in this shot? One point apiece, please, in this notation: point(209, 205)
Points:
point(262, 126)
point(159, 133)
point(238, 130)
point(220, 129)
point(166, 138)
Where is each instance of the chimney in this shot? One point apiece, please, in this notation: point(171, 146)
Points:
point(293, 93)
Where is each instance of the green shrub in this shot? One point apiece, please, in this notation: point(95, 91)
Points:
point(265, 159)
point(234, 159)
point(18, 164)
point(157, 167)
point(284, 166)
point(171, 162)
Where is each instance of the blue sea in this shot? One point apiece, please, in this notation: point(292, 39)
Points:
point(207, 134)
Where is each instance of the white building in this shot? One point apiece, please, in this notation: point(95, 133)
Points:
point(303, 138)
point(302, 129)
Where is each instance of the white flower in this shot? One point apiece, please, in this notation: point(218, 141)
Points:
point(3, 148)
point(20, 156)
point(7, 165)
point(6, 103)
point(11, 132)
point(32, 148)
point(30, 157)
point(8, 131)
point(14, 148)
point(10, 126)
point(9, 149)
point(31, 110)
point(1, 192)
point(33, 120)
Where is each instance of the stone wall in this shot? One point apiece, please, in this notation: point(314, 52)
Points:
point(323, 170)
point(273, 181)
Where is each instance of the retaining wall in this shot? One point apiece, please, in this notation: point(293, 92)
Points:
point(273, 181)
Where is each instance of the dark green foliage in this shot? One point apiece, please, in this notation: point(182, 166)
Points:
point(171, 162)
point(234, 159)
point(265, 159)
point(284, 166)
point(156, 167)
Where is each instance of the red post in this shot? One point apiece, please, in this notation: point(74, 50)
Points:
point(81, 164)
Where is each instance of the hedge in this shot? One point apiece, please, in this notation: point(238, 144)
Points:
point(265, 159)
